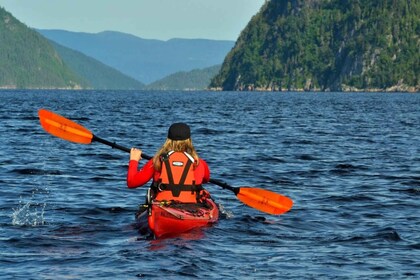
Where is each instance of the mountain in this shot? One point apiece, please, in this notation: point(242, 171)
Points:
point(327, 45)
point(145, 60)
point(97, 74)
point(27, 60)
point(197, 79)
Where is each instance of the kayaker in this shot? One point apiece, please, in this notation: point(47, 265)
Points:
point(176, 170)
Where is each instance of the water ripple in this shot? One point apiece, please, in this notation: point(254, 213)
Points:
point(349, 162)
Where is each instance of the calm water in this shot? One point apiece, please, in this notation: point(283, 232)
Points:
point(350, 162)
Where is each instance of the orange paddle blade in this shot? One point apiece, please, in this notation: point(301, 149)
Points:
point(265, 201)
point(64, 128)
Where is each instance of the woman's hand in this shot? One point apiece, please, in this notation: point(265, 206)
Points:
point(135, 154)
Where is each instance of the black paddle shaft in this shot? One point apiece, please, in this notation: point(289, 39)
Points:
point(224, 185)
point(116, 146)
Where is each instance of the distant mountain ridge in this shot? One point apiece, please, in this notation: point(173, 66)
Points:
point(97, 74)
point(327, 45)
point(145, 60)
point(30, 60)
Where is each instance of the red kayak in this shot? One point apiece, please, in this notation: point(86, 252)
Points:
point(170, 218)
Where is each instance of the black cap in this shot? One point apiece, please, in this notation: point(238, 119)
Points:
point(179, 131)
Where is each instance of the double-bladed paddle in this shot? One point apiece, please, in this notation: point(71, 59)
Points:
point(260, 199)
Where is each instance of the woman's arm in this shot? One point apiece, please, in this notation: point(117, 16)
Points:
point(205, 171)
point(137, 178)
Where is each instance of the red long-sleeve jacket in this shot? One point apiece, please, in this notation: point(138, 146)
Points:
point(137, 178)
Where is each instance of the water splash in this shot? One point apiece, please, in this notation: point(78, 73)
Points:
point(29, 214)
point(225, 213)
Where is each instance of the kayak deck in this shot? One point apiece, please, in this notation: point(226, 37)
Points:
point(170, 218)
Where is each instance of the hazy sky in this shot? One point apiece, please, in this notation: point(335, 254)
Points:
point(150, 19)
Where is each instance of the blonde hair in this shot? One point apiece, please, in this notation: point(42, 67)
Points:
point(176, 146)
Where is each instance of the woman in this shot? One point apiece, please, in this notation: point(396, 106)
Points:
point(176, 169)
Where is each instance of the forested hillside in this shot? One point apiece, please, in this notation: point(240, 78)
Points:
point(198, 79)
point(327, 45)
point(27, 60)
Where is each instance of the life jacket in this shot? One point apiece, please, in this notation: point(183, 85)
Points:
point(177, 180)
